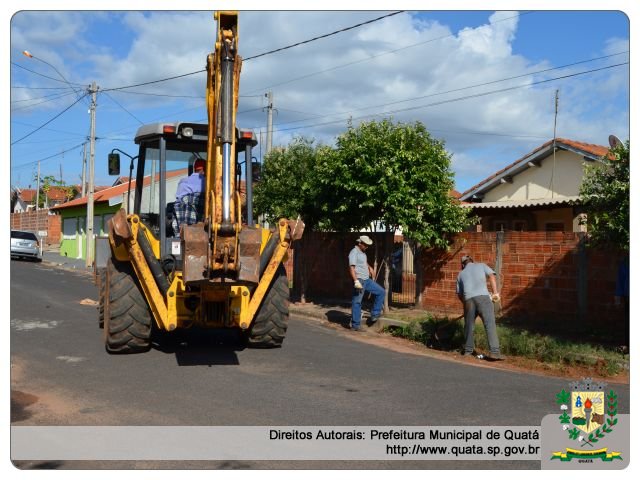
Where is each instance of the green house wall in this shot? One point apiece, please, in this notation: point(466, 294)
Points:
point(73, 239)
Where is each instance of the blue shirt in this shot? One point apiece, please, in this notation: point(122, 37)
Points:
point(358, 259)
point(194, 183)
point(472, 280)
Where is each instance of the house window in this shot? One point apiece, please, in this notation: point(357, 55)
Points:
point(520, 225)
point(69, 228)
point(554, 227)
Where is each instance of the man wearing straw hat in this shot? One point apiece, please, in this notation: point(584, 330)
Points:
point(362, 275)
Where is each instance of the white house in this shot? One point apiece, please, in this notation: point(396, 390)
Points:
point(539, 191)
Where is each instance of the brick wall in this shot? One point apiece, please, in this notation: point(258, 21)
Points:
point(35, 221)
point(548, 276)
point(321, 266)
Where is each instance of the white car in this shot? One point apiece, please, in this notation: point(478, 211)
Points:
point(25, 244)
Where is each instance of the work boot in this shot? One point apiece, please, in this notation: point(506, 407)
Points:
point(494, 357)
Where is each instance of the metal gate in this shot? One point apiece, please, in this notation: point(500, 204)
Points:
point(403, 278)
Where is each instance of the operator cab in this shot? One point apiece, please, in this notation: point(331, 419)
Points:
point(167, 153)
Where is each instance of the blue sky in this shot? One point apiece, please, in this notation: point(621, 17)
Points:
point(398, 67)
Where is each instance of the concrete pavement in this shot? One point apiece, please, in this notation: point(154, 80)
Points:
point(52, 255)
point(339, 312)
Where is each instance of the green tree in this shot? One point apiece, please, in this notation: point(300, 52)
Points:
point(395, 173)
point(391, 173)
point(604, 193)
point(48, 181)
point(288, 186)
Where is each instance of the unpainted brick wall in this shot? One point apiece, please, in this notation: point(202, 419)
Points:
point(35, 221)
point(321, 267)
point(548, 275)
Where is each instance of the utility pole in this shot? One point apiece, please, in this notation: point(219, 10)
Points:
point(84, 169)
point(555, 124)
point(269, 96)
point(38, 188)
point(92, 151)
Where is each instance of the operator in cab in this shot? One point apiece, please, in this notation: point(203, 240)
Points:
point(189, 205)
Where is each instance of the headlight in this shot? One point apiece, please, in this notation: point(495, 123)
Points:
point(187, 132)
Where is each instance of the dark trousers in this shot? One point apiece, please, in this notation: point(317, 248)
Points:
point(483, 306)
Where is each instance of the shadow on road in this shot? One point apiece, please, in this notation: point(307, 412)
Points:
point(344, 318)
point(20, 402)
point(339, 317)
point(201, 347)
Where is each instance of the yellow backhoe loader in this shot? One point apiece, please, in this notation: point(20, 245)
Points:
point(156, 273)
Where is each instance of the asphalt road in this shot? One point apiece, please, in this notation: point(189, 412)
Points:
point(61, 375)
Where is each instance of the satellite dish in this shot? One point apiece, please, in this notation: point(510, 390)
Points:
point(614, 141)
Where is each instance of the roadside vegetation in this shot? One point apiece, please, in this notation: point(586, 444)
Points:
point(448, 335)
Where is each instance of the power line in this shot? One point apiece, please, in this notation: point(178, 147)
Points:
point(153, 81)
point(127, 111)
point(254, 56)
point(57, 95)
point(171, 115)
point(49, 121)
point(43, 75)
point(42, 88)
point(469, 132)
point(36, 142)
point(466, 97)
point(461, 88)
point(49, 129)
point(47, 158)
point(322, 36)
point(43, 101)
point(355, 62)
point(201, 97)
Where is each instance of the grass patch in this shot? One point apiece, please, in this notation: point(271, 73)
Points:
point(448, 335)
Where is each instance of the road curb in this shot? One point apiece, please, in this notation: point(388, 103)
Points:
point(378, 327)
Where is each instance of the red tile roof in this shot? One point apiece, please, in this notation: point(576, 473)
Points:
point(110, 192)
point(28, 195)
point(597, 150)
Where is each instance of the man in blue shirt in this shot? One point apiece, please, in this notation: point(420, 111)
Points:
point(362, 276)
point(189, 204)
point(472, 291)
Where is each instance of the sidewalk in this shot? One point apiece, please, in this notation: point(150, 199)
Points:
point(52, 255)
point(339, 313)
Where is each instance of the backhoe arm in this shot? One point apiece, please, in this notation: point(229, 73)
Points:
point(222, 209)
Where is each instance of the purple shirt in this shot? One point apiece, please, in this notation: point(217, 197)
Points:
point(194, 183)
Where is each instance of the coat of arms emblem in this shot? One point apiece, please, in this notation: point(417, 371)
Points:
point(587, 406)
point(588, 413)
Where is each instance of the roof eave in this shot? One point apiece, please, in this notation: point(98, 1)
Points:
point(513, 170)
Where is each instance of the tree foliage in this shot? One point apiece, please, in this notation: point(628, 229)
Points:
point(395, 173)
point(379, 171)
point(48, 181)
point(604, 193)
point(288, 186)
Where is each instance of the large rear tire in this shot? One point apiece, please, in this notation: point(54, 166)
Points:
point(127, 317)
point(270, 323)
